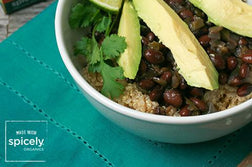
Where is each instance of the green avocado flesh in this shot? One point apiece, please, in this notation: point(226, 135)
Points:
point(234, 15)
point(192, 60)
point(129, 27)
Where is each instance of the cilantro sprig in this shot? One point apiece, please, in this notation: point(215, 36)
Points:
point(83, 15)
point(101, 58)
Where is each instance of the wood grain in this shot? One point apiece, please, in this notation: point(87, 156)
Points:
point(10, 23)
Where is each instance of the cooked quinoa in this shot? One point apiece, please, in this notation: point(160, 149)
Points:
point(131, 97)
point(223, 98)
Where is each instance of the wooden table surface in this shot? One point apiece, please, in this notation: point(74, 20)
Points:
point(10, 23)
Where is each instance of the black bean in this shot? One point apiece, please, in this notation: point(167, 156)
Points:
point(146, 84)
point(235, 81)
point(150, 36)
point(201, 105)
point(173, 97)
point(232, 63)
point(156, 93)
point(218, 61)
point(167, 76)
point(244, 90)
point(247, 58)
point(186, 14)
point(244, 69)
point(183, 85)
point(204, 40)
point(196, 92)
point(185, 111)
point(145, 41)
point(153, 56)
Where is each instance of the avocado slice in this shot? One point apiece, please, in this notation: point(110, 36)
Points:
point(129, 27)
point(192, 60)
point(234, 15)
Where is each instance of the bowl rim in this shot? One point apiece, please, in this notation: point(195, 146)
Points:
point(125, 110)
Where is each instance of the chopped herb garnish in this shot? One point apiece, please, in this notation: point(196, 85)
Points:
point(101, 58)
point(111, 88)
point(113, 46)
point(104, 24)
point(83, 15)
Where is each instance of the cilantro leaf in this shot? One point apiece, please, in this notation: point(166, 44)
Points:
point(89, 17)
point(83, 15)
point(111, 88)
point(99, 58)
point(83, 46)
point(95, 55)
point(89, 48)
point(113, 46)
point(104, 24)
point(76, 15)
point(95, 67)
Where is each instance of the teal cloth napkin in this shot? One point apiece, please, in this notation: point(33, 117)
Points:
point(35, 85)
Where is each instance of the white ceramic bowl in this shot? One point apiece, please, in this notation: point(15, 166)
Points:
point(160, 128)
